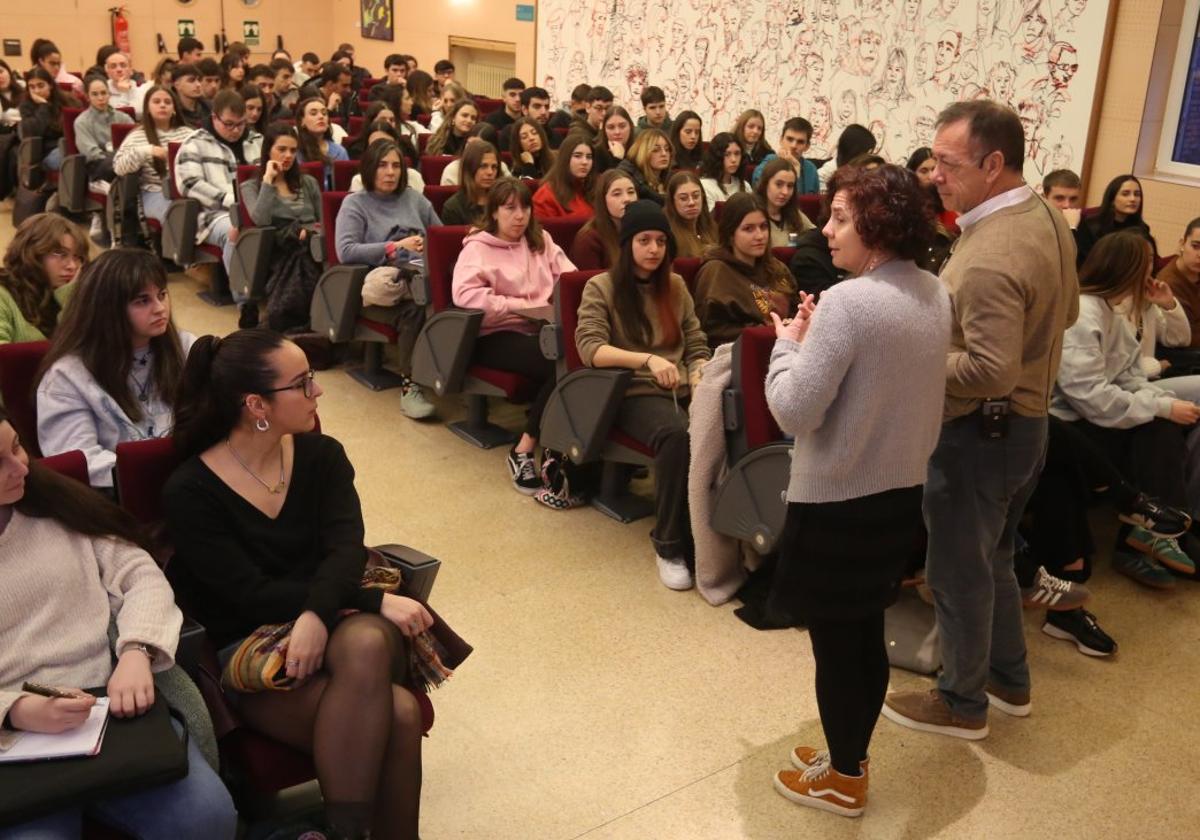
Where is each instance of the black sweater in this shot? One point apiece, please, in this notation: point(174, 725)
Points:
point(235, 569)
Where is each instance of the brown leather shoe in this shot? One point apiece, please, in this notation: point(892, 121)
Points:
point(926, 711)
point(1009, 700)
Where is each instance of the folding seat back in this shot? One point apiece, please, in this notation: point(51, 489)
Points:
point(19, 364)
point(487, 105)
point(784, 254)
point(355, 127)
point(432, 167)
point(72, 464)
point(343, 174)
point(72, 172)
point(422, 139)
point(810, 205)
point(439, 195)
point(687, 268)
point(562, 229)
point(122, 204)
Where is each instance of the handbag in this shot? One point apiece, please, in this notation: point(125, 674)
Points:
point(260, 661)
point(137, 754)
point(911, 634)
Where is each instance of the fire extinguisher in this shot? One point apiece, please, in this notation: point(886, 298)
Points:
point(120, 29)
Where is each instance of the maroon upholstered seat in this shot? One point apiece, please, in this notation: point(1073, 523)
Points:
point(18, 371)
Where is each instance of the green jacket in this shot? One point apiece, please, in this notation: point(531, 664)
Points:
point(13, 326)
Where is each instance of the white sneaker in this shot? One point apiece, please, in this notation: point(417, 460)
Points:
point(97, 226)
point(674, 574)
point(413, 402)
point(102, 187)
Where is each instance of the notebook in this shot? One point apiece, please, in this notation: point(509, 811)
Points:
point(80, 741)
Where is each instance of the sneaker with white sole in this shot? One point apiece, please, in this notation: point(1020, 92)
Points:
point(413, 402)
point(674, 574)
point(1165, 550)
point(1011, 701)
point(822, 787)
point(805, 757)
point(522, 467)
point(1054, 593)
point(927, 711)
point(1080, 626)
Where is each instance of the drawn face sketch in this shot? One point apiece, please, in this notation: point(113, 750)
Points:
point(878, 128)
point(947, 51)
point(684, 76)
point(700, 50)
point(773, 37)
point(814, 66)
point(637, 83)
point(1076, 7)
point(894, 78)
point(1001, 81)
point(1064, 63)
point(1030, 114)
point(578, 68)
point(720, 90)
point(869, 44)
point(670, 92)
point(805, 39)
point(921, 68)
point(599, 22)
point(1061, 155)
point(795, 12)
point(822, 117)
point(826, 11)
point(923, 122)
point(754, 35)
point(1033, 26)
point(847, 36)
point(912, 10)
point(947, 8)
point(847, 108)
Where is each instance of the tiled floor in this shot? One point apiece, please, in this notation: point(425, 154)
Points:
point(599, 704)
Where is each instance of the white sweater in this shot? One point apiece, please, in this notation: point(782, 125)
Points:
point(60, 590)
point(135, 155)
point(1168, 327)
point(74, 412)
point(1100, 377)
point(717, 193)
point(863, 393)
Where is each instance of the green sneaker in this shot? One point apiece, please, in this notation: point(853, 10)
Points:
point(1143, 569)
point(1163, 549)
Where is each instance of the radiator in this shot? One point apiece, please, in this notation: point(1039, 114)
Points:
point(486, 79)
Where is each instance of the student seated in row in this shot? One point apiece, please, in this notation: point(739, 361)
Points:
point(1182, 274)
point(654, 110)
point(530, 148)
point(382, 131)
point(144, 151)
point(74, 564)
point(257, 105)
point(41, 111)
point(186, 82)
point(687, 210)
point(751, 131)
point(450, 138)
point(613, 140)
point(510, 94)
point(284, 198)
point(267, 528)
point(508, 263)
point(45, 256)
point(687, 141)
point(316, 139)
point(535, 105)
point(721, 169)
point(777, 189)
point(648, 162)
point(113, 364)
point(741, 283)
point(482, 133)
point(598, 241)
point(567, 190)
point(93, 131)
point(794, 141)
point(639, 316)
point(1120, 210)
point(383, 225)
point(480, 168)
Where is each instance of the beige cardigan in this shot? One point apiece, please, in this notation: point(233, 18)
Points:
point(59, 590)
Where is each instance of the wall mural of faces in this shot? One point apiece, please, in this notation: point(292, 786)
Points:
point(890, 65)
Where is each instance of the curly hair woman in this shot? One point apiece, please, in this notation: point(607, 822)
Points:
point(44, 257)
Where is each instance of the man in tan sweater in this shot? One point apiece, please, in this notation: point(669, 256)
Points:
point(1014, 288)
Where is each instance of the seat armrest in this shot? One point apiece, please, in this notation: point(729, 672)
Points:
point(751, 502)
point(337, 301)
point(179, 231)
point(581, 411)
point(190, 652)
point(418, 569)
point(316, 246)
point(251, 261)
point(443, 349)
point(419, 286)
point(550, 341)
point(73, 184)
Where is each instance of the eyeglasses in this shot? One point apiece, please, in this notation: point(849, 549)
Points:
point(307, 384)
point(228, 124)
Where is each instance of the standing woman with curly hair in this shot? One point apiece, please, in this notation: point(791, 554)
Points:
point(45, 255)
point(838, 371)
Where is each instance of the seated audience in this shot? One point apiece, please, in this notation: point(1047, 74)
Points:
point(648, 163)
point(777, 188)
point(233, 72)
point(921, 164)
point(285, 89)
point(267, 528)
point(741, 283)
point(480, 168)
point(530, 148)
point(613, 140)
point(144, 151)
point(751, 131)
point(721, 169)
point(11, 94)
point(382, 120)
point(1161, 321)
point(41, 112)
point(535, 105)
point(793, 143)
point(383, 131)
point(687, 211)
point(74, 566)
point(854, 140)
point(395, 70)
point(316, 140)
point(510, 94)
point(188, 87)
point(1102, 390)
point(124, 91)
point(113, 364)
point(45, 54)
point(210, 79)
point(307, 68)
point(257, 107)
point(189, 49)
point(654, 108)
point(162, 72)
point(598, 241)
point(1182, 274)
point(385, 224)
point(404, 108)
point(599, 100)
point(93, 138)
point(686, 140)
point(420, 87)
point(452, 94)
point(639, 316)
point(1120, 209)
point(482, 133)
point(36, 281)
point(450, 138)
point(284, 198)
point(508, 263)
point(333, 87)
point(576, 110)
point(567, 190)
point(1064, 190)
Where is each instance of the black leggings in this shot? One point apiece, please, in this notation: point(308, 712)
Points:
point(852, 679)
point(521, 354)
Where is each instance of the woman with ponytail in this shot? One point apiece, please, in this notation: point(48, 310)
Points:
point(114, 362)
point(268, 528)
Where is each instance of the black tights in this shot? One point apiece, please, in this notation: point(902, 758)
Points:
point(852, 679)
point(362, 727)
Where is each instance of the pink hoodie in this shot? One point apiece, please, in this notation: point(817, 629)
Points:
point(499, 276)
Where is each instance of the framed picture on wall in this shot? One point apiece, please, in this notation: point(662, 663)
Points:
point(377, 20)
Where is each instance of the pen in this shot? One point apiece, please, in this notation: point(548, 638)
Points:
point(46, 691)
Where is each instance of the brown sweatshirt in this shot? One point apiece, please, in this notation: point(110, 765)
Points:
point(1188, 294)
point(1012, 281)
point(731, 295)
point(598, 326)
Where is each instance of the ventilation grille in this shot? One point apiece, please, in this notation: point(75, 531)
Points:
point(486, 79)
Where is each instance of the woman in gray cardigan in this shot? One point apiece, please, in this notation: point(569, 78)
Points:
point(859, 381)
point(93, 131)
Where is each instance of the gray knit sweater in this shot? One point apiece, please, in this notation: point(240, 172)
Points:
point(368, 221)
point(863, 392)
point(93, 132)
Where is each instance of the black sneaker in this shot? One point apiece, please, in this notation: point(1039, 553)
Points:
point(1157, 518)
point(1079, 626)
point(523, 468)
point(248, 316)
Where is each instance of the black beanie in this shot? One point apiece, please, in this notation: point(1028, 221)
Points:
point(644, 215)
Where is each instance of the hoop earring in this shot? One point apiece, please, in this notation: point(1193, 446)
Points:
point(262, 425)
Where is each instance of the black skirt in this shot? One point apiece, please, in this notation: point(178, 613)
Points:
point(844, 560)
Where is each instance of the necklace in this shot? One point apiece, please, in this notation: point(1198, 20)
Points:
point(274, 491)
point(142, 385)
